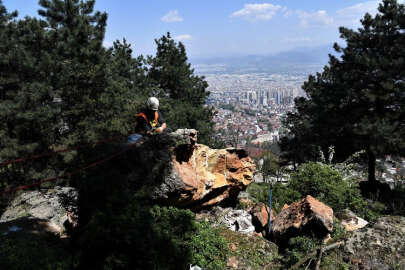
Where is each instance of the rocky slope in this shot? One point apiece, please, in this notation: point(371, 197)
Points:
point(381, 246)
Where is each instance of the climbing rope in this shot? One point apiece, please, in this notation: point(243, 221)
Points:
point(51, 153)
point(66, 175)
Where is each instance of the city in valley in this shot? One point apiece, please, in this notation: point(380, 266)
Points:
point(250, 107)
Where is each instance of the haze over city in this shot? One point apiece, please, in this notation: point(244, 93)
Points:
point(224, 28)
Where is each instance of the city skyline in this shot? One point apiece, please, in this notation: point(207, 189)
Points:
point(224, 28)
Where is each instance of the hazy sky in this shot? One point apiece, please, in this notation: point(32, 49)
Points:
point(224, 27)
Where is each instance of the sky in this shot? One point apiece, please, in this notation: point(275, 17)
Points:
point(213, 28)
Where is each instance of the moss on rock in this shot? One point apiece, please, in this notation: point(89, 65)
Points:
point(251, 251)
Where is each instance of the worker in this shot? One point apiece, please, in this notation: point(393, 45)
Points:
point(150, 121)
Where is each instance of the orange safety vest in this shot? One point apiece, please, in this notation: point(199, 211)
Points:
point(152, 123)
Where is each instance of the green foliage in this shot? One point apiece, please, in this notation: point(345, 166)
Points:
point(208, 247)
point(298, 248)
point(339, 231)
point(20, 251)
point(335, 260)
point(186, 93)
point(320, 181)
point(141, 236)
point(59, 87)
point(271, 166)
point(259, 192)
point(327, 185)
point(357, 102)
point(282, 194)
point(252, 252)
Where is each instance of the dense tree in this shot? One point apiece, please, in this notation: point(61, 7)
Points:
point(358, 101)
point(374, 64)
point(185, 92)
point(29, 119)
point(77, 34)
point(60, 87)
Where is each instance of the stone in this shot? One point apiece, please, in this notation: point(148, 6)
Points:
point(196, 267)
point(350, 221)
point(245, 201)
point(54, 208)
point(179, 171)
point(308, 216)
point(236, 220)
point(232, 262)
point(260, 216)
point(232, 247)
point(381, 246)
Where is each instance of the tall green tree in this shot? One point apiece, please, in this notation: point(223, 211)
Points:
point(373, 62)
point(29, 121)
point(59, 86)
point(80, 74)
point(358, 101)
point(185, 92)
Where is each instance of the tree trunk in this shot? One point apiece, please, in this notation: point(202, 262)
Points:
point(371, 167)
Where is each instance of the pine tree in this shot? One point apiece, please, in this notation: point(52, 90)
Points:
point(185, 92)
point(358, 101)
point(374, 65)
point(80, 76)
point(28, 114)
point(58, 87)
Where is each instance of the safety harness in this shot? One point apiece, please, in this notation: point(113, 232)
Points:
point(152, 123)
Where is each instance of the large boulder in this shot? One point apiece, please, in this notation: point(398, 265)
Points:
point(308, 216)
point(381, 246)
point(54, 209)
point(177, 170)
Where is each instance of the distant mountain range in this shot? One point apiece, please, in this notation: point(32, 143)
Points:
point(296, 61)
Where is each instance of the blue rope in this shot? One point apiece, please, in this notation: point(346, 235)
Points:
point(269, 218)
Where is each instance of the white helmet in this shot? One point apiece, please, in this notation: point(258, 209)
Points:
point(153, 103)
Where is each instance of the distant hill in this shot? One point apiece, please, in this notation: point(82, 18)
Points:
point(296, 61)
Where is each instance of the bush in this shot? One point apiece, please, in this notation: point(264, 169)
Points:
point(339, 231)
point(208, 247)
point(322, 182)
point(33, 251)
point(327, 185)
point(139, 236)
point(298, 248)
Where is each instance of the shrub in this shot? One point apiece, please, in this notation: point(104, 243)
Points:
point(139, 236)
point(208, 247)
point(320, 181)
point(298, 248)
point(282, 194)
point(339, 231)
point(33, 251)
point(327, 185)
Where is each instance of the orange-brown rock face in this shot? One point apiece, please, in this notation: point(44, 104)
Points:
point(307, 215)
point(260, 214)
point(212, 175)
